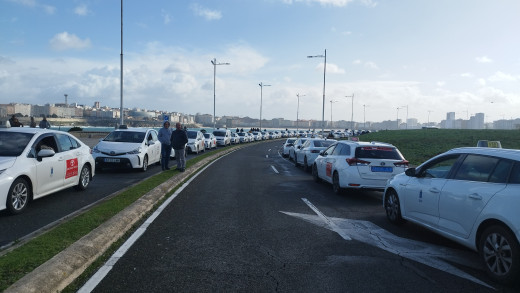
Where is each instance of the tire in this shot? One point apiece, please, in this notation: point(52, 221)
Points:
point(84, 178)
point(335, 183)
point(145, 164)
point(315, 176)
point(393, 207)
point(305, 166)
point(18, 196)
point(500, 253)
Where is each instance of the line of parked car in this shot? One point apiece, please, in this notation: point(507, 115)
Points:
point(469, 195)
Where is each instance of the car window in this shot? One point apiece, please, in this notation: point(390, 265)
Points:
point(339, 149)
point(501, 172)
point(378, 152)
point(192, 134)
point(330, 150)
point(515, 174)
point(46, 142)
point(64, 141)
point(323, 143)
point(12, 144)
point(206, 135)
point(476, 168)
point(439, 168)
point(125, 136)
point(306, 144)
point(219, 133)
point(154, 136)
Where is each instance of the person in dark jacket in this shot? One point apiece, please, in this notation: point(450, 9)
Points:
point(165, 137)
point(178, 142)
point(44, 123)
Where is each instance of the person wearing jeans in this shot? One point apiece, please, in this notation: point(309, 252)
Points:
point(179, 139)
point(165, 135)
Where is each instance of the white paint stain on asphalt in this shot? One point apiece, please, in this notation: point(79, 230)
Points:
point(428, 254)
point(274, 169)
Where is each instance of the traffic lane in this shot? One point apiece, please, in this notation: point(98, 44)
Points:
point(53, 208)
point(230, 230)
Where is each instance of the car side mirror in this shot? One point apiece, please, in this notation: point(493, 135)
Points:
point(410, 172)
point(45, 153)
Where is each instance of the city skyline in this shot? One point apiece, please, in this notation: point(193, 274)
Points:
point(427, 58)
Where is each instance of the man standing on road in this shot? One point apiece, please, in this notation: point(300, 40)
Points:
point(179, 140)
point(165, 137)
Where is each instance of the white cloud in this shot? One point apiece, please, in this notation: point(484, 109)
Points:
point(206, 13)
point(371, 65)
point(500, 76)
point(483, 59)
point(337, 3)
point(65, 41)
point(35, 4)
point(466, 74)
point(81, 10)
point(441, 83)
point(166, 16)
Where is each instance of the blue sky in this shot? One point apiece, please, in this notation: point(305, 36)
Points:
point(434, 57)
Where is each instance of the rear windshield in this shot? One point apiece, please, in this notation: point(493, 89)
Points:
point(378, 152)
point(12, 144)
point(125, 136)
point(323, 143)
point(219, 133)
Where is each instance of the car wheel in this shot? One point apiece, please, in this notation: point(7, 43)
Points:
point(500, 251)
point(84, 178)
point(305, 166)
point(315, 176)
point(145, 164)
point(335, 183)
point(393, 207)
point(18, 196)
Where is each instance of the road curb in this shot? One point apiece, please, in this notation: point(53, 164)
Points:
point(62, 269)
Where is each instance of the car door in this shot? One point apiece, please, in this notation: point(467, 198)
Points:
point(72, 157)
point(476, 181)
point(50, 171)
point(420, 196)
point(155, 147)
point(323, 165)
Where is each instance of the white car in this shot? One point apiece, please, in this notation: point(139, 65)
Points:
point(135, 148)
point(243, 137)
point(36, 162)
point(257, 135)
point(309, 151)
point(358, 165)
point(296, 146)
point(469, 195)
point(235, 138)
point(223, 136)
point(210, 141)
point(287, 145)
point(196, 142)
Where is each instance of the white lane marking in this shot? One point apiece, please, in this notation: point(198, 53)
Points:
point(434, 256)
point(91, 284)
point(274, 169)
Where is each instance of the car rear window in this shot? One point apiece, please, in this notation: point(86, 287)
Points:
point(12, 144)
point(378, 152)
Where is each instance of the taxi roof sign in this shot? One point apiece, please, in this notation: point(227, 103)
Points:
point(489, 144)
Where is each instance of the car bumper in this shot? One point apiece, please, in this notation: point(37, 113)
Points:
point(119, 162)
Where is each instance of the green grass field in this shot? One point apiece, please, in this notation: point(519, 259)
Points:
point(418, 145)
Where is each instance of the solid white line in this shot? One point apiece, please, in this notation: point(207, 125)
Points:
point(91, 284)
point(331, 224)
point(274, 169)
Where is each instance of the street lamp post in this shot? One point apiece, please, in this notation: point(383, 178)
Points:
point(261, 94)
point(397, 120)
point(352, 112)
point(364, 116)
point(214, 62)
point(298, 110)
point(324, 72)
point(331, 101)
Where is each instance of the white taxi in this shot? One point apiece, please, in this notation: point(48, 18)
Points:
point(36, 162)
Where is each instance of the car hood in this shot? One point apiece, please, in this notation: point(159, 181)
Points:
point(6, 162)
point(118, 147)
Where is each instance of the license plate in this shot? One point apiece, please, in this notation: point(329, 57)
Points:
point(381, 169)
point(109, 160)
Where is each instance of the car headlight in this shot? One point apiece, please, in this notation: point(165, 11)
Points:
point(135, 151)
point(96, 150)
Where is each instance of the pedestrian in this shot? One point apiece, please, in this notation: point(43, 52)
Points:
point(33, 123)
point(13, 121)
point(44, 123)
point(178, 142)
point(165, 136)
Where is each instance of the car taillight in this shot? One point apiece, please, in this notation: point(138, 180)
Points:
point(357, 162)
point(403, 163)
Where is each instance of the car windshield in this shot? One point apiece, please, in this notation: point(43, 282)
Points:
point(192, 134)
point(206, 135)
point(125, 136)
point(323, 143)
point(12, 144)
point(378, 152)
point(219, 133)
point(241, 134)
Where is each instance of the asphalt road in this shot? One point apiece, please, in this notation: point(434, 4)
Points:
point(252, 222)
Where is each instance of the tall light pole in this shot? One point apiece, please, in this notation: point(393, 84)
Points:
point(352, 114)
point(364, 116)
point(121, 122)
point(298, 110)
point(261, 90)
point(324, 71)
point(406, 115)
point(331, 101)
point(214, 62)
point(397, 120)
